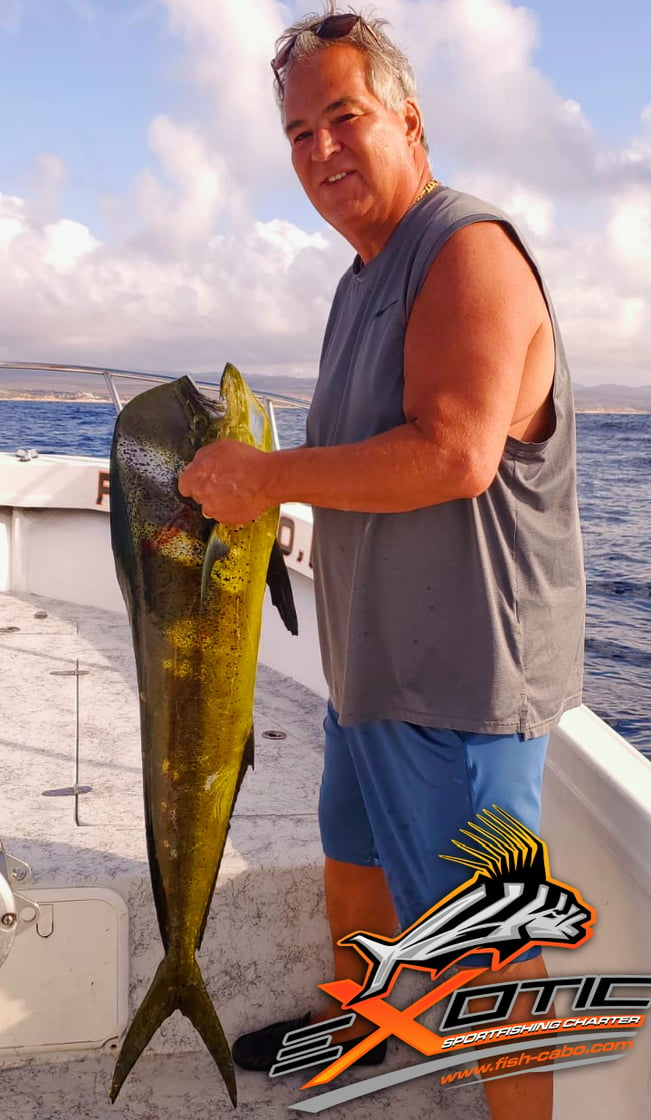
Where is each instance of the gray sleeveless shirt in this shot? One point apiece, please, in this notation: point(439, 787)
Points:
point(465, 615)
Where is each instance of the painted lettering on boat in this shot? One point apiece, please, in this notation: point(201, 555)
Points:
point(287, 540)
point(103, 487)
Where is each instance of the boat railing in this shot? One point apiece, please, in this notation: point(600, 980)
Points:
point(112, 378)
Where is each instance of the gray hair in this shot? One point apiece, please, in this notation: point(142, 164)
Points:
point(388, 71)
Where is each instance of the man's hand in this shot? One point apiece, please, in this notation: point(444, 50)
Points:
point(228, 480)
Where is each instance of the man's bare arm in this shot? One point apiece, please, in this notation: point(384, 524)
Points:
point(466, 353)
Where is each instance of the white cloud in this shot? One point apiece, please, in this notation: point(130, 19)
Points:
point(229, 47)
point(629, 231)
point(194, 277)
point(182, 214)
point(486, 103)
point(258, 300)
point(65, 244)
point(288, 240)
point(12, 217)
point(638, 152)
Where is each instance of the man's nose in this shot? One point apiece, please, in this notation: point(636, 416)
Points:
point(324, 144)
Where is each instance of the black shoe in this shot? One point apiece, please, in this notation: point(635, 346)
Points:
point(258, 1049)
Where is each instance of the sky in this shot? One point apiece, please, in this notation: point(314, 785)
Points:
point(149, 214)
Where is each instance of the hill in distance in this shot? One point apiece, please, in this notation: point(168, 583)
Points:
point(612, 398)
point(40, 384)
point(17, 384)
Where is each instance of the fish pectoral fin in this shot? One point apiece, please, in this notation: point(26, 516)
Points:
point(215, 550)
point(282, 596)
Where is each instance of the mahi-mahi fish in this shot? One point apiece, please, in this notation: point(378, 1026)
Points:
point(194, 593)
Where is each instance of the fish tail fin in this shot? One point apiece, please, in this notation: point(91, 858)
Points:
point(196, 1004)
point(158, 1005)
point(167, 994)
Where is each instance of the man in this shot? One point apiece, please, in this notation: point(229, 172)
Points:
point(440, 462)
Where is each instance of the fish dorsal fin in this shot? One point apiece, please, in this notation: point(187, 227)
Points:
point(282, 596)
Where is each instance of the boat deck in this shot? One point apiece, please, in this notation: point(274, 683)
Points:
point(266, 945)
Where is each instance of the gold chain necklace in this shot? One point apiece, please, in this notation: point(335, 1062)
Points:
point(432, 185)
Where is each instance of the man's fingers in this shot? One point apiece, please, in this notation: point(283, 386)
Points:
point(226, 480)
point(189, 481)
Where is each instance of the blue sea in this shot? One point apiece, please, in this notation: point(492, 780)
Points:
point(615, 500)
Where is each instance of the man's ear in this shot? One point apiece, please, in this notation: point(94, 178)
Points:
point(413, 121)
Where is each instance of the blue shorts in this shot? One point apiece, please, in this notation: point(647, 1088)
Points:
point(394, 795)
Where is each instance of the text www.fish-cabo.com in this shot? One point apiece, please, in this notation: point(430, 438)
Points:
point(519, 1064)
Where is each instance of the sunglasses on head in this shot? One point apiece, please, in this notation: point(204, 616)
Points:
point(333, 27)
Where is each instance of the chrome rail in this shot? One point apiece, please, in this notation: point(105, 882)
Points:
point(112, 376)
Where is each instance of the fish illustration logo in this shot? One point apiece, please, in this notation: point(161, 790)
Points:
point(511, 904)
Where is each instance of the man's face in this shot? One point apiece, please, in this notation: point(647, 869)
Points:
point(354, 157)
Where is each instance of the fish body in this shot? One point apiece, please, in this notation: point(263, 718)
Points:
point(194, 593)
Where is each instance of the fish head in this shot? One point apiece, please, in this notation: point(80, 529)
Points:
point(157, 435)
point(205, 416)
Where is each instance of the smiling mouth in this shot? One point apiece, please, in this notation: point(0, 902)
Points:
point(329, 182)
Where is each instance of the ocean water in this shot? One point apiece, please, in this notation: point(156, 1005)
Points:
point(615, 501)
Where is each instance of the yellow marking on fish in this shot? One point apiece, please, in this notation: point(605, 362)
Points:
point(179, 668)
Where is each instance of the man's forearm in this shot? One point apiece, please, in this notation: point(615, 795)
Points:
point(396, 471)
point(399, 470)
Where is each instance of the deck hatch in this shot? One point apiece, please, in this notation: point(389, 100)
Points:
point(64, 985)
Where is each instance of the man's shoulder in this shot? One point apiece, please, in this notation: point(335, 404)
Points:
point(449, 207)
point(397, 273)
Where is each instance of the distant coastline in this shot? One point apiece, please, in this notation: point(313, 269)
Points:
point(610, 410)
point(53, 398)
point(87, 398)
